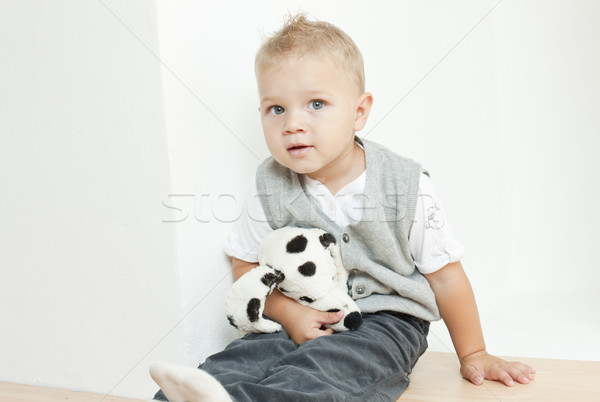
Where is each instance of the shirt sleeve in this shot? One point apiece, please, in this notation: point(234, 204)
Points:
point(245, 237)
point(432, 243)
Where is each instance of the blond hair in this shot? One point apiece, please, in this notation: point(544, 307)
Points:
point(300, 36)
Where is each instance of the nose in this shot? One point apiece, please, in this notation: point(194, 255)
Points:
point(294, 123)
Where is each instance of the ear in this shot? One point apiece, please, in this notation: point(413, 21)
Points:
point(362, 108)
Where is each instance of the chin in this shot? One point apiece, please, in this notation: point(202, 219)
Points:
point(300, 171)
point(295, 166)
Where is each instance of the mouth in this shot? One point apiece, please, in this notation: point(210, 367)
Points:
point(297, 150)
point(297, 146)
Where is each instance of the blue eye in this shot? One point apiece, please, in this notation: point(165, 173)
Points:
point(276, 110)
point(317, 104)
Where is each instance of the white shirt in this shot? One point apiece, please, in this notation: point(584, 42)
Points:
point(432, 243)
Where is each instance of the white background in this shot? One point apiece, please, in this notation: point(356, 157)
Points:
point(129, 131)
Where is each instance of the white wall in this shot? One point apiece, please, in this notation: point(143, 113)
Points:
point(215, 143)
point(90, 280)
point(122, 171)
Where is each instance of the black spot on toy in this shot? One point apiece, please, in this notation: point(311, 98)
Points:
point(232, 321)
point(308, 268)
point(307, 299)
point(252, 309)
point(271, 279)
point(296, 245)
point(326, 239)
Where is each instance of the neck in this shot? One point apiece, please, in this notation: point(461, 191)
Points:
point(348, 168)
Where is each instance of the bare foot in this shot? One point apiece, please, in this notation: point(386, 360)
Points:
point(187, 384)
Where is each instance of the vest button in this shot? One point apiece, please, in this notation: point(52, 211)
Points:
point(345, 238)
point(360, 289)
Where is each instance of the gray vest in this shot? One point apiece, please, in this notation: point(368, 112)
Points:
point(375, 250)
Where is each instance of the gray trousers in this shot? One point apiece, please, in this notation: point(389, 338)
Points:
point(369, 364)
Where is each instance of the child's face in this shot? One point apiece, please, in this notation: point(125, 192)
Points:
point(308, 109)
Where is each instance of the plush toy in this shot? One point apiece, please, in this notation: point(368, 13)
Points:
point(305, 265)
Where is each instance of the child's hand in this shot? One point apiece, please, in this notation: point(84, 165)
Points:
point(303, 323)
point(481, 365)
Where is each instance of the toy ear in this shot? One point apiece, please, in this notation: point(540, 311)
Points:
point(328, 241)
point(337, 257)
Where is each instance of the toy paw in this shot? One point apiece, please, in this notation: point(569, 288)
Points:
point(262, 325)
point(245, 301)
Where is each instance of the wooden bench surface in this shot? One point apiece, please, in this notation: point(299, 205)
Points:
point(435, 378)
point(31, 393)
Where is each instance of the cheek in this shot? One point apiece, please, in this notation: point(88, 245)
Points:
point(272, 137)
point(269, 127)
point(338, 121)
point(264, 121)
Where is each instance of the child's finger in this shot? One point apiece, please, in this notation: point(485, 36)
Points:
point(327, 331)
point(518, 376)
point(521, 373)
point(332, 317)
point(501, 375)
point(317, 333)
point(526, 369)
point(472, 374)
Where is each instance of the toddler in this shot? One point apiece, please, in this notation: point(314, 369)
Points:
point(403, 260)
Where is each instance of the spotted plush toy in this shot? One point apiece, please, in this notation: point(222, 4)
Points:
point(305, 265)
